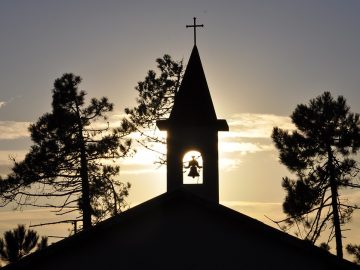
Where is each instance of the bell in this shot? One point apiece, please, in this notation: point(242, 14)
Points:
point(193, 165)
point(193, 172)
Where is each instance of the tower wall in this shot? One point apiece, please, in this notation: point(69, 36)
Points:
point(193, 125)
point(204, 140)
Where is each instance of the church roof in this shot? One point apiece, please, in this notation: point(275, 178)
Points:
point(178, 230)
point(193, 105)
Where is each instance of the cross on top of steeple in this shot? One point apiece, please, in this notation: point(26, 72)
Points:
point(194, 26)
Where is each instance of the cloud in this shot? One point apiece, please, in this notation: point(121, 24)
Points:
point(229, 164)
point(250, 125)
point(2, 104)
point(10, 130)
point(249, 134)
point(244, 147)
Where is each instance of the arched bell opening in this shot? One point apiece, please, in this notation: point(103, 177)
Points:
point(192, 168)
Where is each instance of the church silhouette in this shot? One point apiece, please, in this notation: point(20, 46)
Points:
point(186, 227)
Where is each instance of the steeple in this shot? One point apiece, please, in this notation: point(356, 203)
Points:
point(193, 125)
point(193, 105)
point(193, 101)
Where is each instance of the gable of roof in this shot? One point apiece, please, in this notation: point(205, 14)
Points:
point(178, 230)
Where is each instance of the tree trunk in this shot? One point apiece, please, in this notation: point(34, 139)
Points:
point(86, 207)
point(334, 204)
point(85, 187)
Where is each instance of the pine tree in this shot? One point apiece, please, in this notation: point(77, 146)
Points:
point(66, 163)
point(156, 94)
point(320, 153)
point(355, 251)
point(19, 242)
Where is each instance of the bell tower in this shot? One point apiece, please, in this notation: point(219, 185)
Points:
point(193, 125)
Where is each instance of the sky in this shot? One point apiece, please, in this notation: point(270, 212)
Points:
point(261, 59)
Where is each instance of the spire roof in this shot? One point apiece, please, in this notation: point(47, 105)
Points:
point(193, 104)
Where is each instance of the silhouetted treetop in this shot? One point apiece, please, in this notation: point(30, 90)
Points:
point(321, 154)
point(19, 242)
point(67, 158)
point(155, 99)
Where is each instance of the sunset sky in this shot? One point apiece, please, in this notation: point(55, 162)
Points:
point(261, 59)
